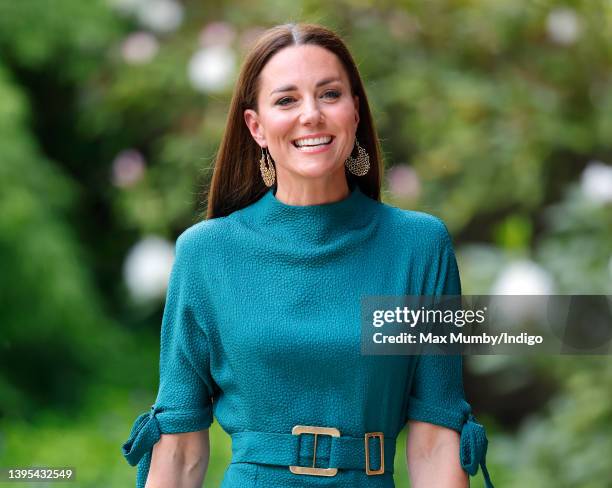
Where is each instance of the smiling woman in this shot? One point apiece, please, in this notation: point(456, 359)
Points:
point(309, 124)
point(297, 82)
point(262, 326)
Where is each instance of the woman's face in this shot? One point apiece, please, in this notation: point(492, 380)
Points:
point(305, 91)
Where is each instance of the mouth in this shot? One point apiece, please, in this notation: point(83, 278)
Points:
point(315, 142)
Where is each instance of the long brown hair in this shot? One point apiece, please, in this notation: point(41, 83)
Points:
point(236, 182)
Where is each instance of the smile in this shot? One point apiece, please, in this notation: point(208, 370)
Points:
point(313, 144)
point(313, 141)
point(318, 148)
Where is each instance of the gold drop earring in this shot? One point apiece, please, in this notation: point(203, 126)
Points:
point(360, 165)
point(268, 173)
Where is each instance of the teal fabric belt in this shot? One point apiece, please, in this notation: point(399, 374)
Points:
point(270, 448)
point(342, 452)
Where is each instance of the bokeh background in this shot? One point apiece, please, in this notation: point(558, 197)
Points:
point(495, 115)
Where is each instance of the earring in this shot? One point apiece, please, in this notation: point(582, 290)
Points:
point(360, 165)
point(267, 172)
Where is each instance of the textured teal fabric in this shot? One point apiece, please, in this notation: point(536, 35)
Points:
point(262, 329)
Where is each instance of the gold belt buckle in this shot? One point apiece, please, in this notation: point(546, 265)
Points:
point(380, 470)
point(311, 429)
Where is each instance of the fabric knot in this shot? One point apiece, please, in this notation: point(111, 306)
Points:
point(474, 449)
point(144, 434)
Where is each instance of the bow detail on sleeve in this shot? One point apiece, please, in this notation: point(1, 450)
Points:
point(145, 433)
point(474, 449)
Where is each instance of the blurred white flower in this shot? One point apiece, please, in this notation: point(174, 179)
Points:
point(217, 33)
point(128, 168)
point(403, 181)
point(160, 15)
point(596, 182)
point(210, 69)
point(139, 48)
point(147, 268)
point(523, 277)
point(563, 25)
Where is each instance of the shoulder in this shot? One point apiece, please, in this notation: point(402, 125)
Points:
point(414, 224)
point(202, 238)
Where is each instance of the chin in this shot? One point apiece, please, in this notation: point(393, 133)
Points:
point(315, 171)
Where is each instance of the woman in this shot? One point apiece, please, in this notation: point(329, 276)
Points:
point(261, 324)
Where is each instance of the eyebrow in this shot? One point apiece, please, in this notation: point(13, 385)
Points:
point(293, 87)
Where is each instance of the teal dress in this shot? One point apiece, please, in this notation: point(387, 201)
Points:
point(261, 331)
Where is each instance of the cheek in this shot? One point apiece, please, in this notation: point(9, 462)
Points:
point(278, 125)
point(344, 116)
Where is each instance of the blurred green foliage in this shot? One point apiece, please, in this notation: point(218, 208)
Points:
point(499, 107)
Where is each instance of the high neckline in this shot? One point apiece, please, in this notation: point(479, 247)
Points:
point(320, 208)
point(309, 224)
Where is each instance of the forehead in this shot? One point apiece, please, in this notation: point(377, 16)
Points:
point(301, 66)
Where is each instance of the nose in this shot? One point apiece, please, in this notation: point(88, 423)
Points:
point(311, 114)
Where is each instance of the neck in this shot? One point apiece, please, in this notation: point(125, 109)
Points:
point(309, 191)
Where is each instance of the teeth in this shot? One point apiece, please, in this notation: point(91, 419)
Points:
point(313, 141)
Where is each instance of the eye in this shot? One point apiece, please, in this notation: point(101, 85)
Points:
point(333, 93)
point(330, 94)
point(283, 100)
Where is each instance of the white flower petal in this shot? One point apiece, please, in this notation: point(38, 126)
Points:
point(596, 182)
point(523, 278)
point(147, 268)
point(160, 15)
point(210, 69)
point(563, 26)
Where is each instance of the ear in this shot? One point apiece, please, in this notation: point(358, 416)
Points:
point(251, 117)
point(356, 103)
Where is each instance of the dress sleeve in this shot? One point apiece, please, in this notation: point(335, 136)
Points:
point(436, 395)
point(184, 399)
